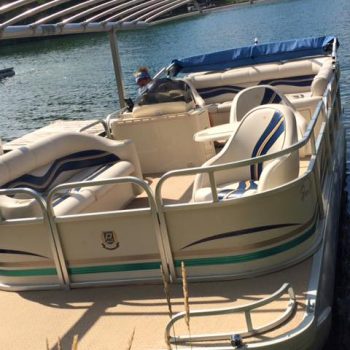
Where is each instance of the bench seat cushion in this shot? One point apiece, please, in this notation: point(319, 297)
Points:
point(161, 109)
point(100, 197)
point(77, 200)
point(289, 77)
point(62, 169)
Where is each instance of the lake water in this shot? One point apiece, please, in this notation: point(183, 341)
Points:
point(73, 78)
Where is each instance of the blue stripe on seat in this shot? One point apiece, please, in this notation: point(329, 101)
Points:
point(303, 80)
point(242, 188)
point(89, 177)
point(266, 141)
point(74, 161)
point(219, 90)
point(269, 144)
point(270, 96)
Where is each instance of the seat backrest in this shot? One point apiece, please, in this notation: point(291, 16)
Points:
point(259, 95)
point(288, 77)
point(252, 97)
point(265, 129)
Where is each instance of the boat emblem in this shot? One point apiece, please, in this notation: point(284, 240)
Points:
point(109, 240)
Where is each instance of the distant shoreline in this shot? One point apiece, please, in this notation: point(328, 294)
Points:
point(237, 4)
point(208, 10)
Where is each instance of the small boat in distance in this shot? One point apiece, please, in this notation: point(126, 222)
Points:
point(6, 73)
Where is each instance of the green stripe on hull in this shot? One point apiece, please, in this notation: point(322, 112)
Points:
point(114, 268)
point(248, 257)
point(28, 273)
point(155, 265)
point(83, 270)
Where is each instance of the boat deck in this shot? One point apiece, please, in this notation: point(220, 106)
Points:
point(105, 318)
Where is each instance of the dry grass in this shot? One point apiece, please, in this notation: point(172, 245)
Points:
point(59, 343)
point(186, 295)
point(131, 340)
point(167, 292)
point(75, 343)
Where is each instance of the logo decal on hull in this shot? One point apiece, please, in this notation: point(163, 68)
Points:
point(109, 240)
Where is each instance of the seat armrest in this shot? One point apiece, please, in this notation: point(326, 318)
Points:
point(279, 172)
point(321, 80)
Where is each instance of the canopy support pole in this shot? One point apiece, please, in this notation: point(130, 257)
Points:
point(113, 40)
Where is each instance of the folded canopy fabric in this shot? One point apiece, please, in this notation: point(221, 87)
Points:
point(255, 54)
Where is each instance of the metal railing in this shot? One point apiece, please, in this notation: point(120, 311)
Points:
point(114, 115)
point(55, 245)
point(246, 309)
point(102, 122)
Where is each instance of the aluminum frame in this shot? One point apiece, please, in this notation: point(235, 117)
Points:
point(55, 245)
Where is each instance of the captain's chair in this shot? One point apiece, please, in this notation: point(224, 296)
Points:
point(263, 130)
point(259, 95)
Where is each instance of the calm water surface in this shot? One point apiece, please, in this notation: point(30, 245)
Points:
point(73, 77)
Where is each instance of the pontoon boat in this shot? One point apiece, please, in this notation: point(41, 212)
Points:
point(231, 163)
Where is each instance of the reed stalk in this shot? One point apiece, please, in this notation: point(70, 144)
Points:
point(131, 340)
point(47, 344)
point(59, 344)
point(166, 292)
point(75, 343)
point(168, 300)
point(186, 295)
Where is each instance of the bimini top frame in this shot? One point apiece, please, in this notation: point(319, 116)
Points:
point(28, 18)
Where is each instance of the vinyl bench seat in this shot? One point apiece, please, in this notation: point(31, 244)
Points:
point(87, 164)
point(217, 89)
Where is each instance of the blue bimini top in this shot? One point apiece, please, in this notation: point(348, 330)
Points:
point(255, 54)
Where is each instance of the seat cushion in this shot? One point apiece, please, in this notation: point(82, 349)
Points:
point(98, 197)
point(77, 200)
point(62, 169)
point(158, 109)
point(228, 191)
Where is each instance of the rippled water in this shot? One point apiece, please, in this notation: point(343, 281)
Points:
point(73, 77)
